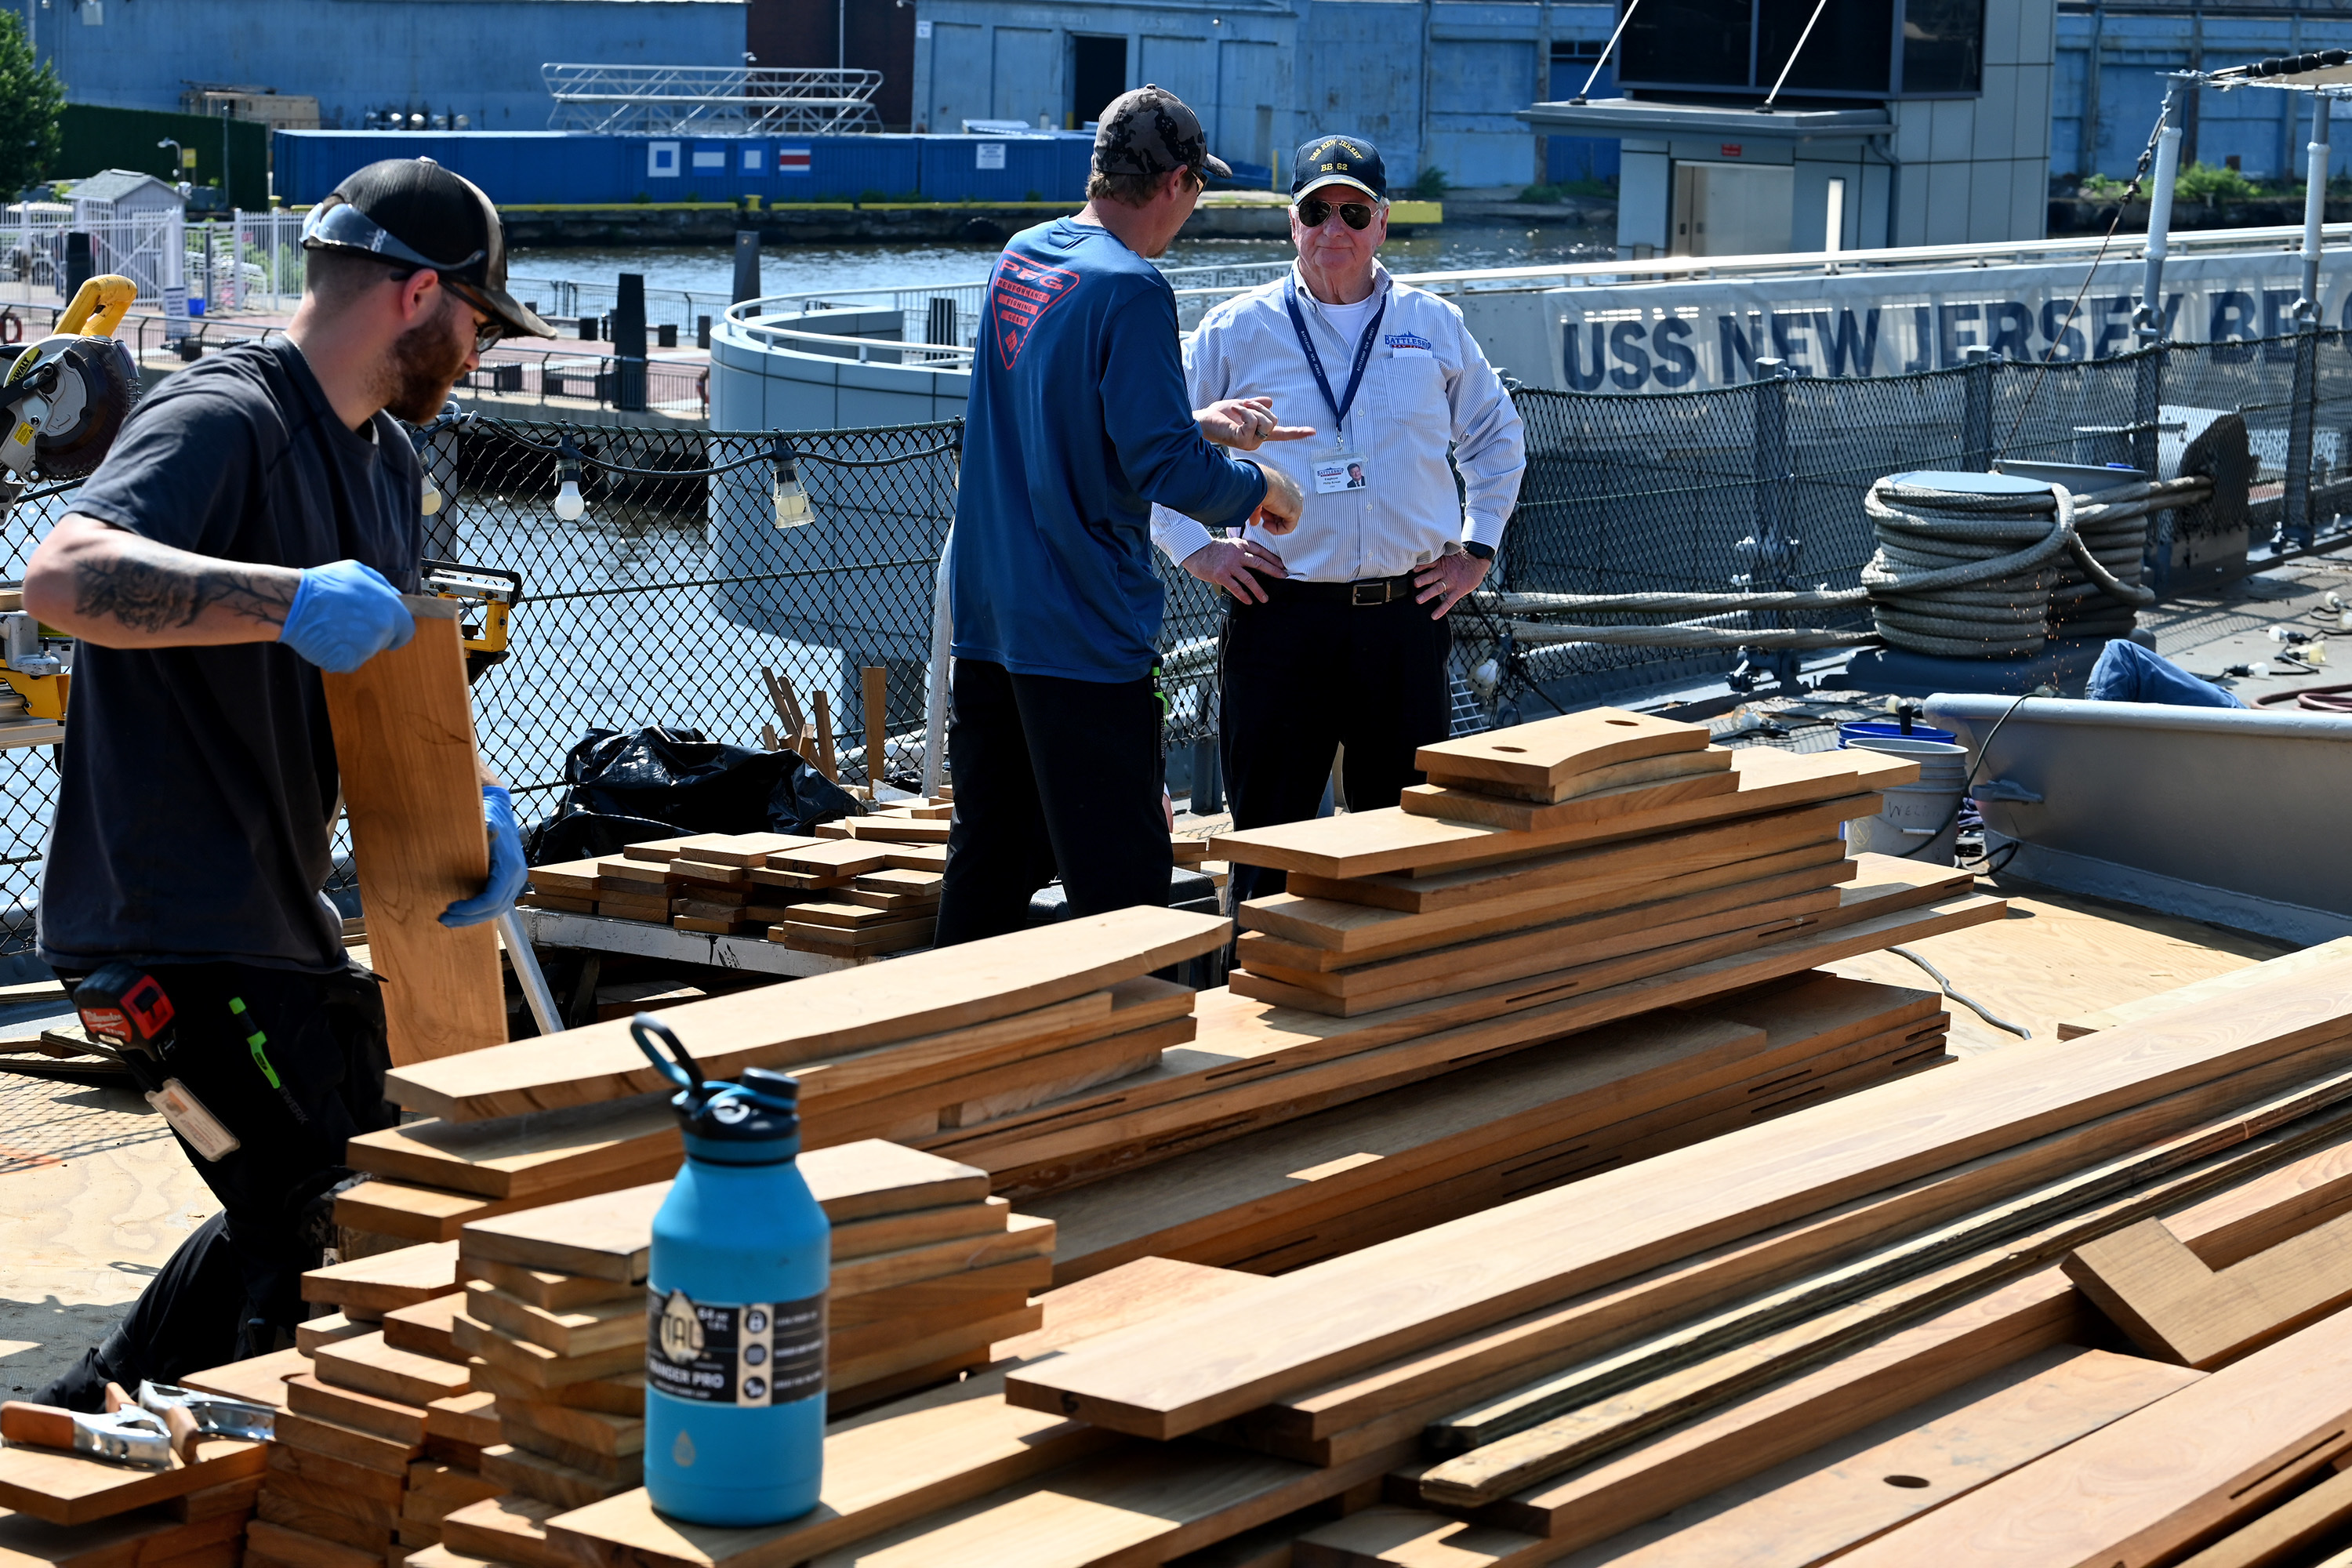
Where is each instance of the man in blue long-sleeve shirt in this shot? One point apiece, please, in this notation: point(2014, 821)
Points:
point(1078, 420)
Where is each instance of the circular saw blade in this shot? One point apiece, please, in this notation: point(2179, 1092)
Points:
point(97, 387)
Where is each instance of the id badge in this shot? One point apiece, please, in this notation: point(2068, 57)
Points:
point(1336, 471)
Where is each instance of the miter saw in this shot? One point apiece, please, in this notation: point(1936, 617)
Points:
point(64, 399)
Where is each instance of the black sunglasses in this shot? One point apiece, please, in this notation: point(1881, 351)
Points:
point(1355, 215)
point(487, 334)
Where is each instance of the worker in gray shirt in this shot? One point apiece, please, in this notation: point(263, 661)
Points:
point(1336, 635)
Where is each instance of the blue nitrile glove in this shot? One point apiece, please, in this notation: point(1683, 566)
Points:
point(507, 873)
point(343, 615)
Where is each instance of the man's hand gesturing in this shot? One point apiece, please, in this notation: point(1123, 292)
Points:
point(1245, 424)
point(1228, 564)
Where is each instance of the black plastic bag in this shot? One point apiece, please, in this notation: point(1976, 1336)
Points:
point(630, 786)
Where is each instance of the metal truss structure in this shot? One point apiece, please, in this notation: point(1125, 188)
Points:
point(711, 100)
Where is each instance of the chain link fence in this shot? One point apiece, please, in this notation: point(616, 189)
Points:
point(682, 578)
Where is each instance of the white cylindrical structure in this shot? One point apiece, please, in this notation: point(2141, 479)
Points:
point(2160, 220)
point(2315, 207)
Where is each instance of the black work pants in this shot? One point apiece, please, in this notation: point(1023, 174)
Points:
point(1052, 776)
point(1305, 677)
point(321, 1038)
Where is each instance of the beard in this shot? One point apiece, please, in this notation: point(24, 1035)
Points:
point(426, 363)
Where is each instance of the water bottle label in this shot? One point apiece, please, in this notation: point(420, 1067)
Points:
point(743, 1354)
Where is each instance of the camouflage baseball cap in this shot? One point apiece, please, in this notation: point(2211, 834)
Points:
point(1151, 131)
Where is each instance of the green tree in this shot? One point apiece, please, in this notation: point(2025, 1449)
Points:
point(31, 99)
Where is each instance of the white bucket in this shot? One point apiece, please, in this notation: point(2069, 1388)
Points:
point(1921, 820)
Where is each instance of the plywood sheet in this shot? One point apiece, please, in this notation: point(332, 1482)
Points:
point(403, 727)
point(1543, 753)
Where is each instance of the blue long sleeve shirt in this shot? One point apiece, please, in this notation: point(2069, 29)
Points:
point(1078, 420)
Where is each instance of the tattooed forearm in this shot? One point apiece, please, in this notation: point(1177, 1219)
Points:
point(151, 596)
point(115, 589)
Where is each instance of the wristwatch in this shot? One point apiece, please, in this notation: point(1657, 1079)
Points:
point(1483, 552)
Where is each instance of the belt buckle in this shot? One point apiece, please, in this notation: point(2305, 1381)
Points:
point(1374, 593)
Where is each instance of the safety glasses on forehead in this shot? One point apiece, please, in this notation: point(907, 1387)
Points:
point(1313, 211)
point(344, 225)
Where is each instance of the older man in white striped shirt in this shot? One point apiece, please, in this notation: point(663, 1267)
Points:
point(1338, 638)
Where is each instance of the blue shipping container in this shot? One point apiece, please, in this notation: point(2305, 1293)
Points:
point(535, 168)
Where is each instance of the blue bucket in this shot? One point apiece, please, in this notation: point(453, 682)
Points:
point(1853, 729)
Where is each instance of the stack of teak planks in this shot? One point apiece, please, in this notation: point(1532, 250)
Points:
point(853, 899)
point(61, 1510)
point(928, 1273)
point(950, 1039)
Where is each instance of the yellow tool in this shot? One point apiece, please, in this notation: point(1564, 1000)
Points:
point(494, 590)
point(64, 401)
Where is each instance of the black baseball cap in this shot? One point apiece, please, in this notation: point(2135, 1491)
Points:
point(414, 211)
point(1150, 132)
point(1338, 160)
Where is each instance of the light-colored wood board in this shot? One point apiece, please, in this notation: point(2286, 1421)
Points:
point(1351, 993)
point(537, 1365)
point(2173, 1305)
point(382, 1282)
point(1024, 1235)
point(403, 729)
point(135, 1540)
point(1818, 864)
point(2061, 1396)
point(261, 1379)
point(468, 1418)
point(348, 1444)
point(2227, 981)
point(928, 1451)
point(1485, 1267)
point(425, 1327)
point(2056, 955)
point(415, 1213)
point(1645, 770)
point(1017, 1085)
point(371, 1366)
point(1258, 1059)
point(542, 1288)
point(926, 993)
point(624, 1394)
point(2135, 1491)
point(2286, 1531)
point(1578, 808)
point(306, 1395)
point(1368, 843)
point(510, 1529)
point(70, 1489)
point(1548, 751)
point(578, 1332)
point(597, 1429)
point(919, 1227)
point(1336, 911)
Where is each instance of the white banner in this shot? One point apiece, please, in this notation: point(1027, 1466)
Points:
point(1690, 336)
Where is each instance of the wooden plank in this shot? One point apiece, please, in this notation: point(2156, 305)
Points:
point(1359, 934)
point(573, 1334)
point(261, 1379)
point(556, 1292)
point(2020, 1415)
point(2288, 1530)
point(403, 726)
point(371, 1366)
point(944, 989)
point(1369, 842)
point(386, 1418)
point(596, 1430)
point(1547, 950)
point(873, 683)
point(1485, 1267)
point(2173, 1305)
point(348, 1444)
point(1578, 808)
point(468, 1418)
point(1024, 1235)
point(905, 1459)
point(429, 1214)
point(1256, 1058)
point(510, 1529)
point(2252, 977)
point(537, 1365)
point(401, 1278)
point(68, 1488)
point(425, 1328)
point(1017, 1085)
point(2136, 1491)
point(918, 1228)
point(1646, 770)
point(1548, 751)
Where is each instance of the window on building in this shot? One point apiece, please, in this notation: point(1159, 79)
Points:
point(1740, 47)
point(1097, 75)
point(1943, 46)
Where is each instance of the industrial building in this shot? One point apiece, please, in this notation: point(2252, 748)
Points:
point(436, 59)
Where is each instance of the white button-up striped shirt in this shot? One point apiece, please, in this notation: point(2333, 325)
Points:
point(1427, 382)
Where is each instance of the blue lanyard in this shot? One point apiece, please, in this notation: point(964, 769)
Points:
point(1339, 406)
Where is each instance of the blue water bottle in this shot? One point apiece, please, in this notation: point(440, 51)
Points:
point(735, 1305)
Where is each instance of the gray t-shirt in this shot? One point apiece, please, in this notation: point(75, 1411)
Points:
point(199, 783)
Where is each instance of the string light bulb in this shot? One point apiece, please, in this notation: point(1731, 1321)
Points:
point(568, 502)
point(791, 499)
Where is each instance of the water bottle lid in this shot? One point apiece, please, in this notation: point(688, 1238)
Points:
point(741, 1112)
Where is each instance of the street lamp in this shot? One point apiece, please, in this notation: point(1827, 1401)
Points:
point(177, 157)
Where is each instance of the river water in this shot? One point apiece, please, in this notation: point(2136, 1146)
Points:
point(794, 268)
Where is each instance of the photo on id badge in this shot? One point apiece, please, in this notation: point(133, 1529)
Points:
point(1335, 471)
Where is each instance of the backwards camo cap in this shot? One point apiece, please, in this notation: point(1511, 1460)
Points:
point(1150, 132)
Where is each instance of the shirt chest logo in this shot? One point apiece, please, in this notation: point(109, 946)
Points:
point(1408, 341)
point(1019, 295)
